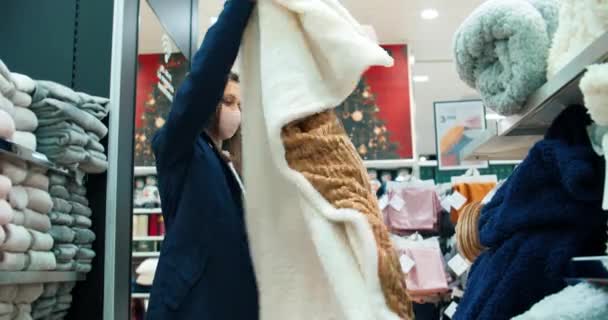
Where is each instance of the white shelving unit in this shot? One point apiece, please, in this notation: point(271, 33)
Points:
point(146, 254)
point(513, 136)
point(25, 277)
point(149, 238)
point(144, 171)
point(143, 211)
point(140, 296)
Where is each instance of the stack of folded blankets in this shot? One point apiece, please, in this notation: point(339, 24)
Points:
point(24, 207)
point(71, 223)
point(16, 300)
point(70, 127)
point(54, 302)
point(17, 121)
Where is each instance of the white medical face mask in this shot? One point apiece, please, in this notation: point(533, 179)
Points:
point(229, 123)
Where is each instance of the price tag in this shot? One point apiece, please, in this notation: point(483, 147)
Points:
point(446, 204)
point(406, 263)
point(458, 200)
point(383, 202)
point(459, 265)
point(397, 203)
point(457, 293)
point(451, 310)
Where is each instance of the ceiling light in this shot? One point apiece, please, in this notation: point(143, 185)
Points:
point(421, 78)
point(429, 14)
point(494, 116)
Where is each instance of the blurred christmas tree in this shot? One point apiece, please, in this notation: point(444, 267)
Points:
point(157, 106)
point(367, 132)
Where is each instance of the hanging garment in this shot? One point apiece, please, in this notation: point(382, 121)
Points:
point(419, 212)
point(317, 239)
point(547, 212)
point(581, 302)
point(501, 50)
point(474, 192)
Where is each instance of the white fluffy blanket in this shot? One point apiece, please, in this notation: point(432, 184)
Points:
point(312, 261)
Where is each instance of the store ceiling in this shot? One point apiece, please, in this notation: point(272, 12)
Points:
point(395, 22)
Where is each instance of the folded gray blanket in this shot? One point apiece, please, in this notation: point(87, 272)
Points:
point(41, 261)
point(83, 236)
point(66, 287)
point(44, 303)
point(65, 252)
point(67, 155)
point(66, 266)
point(62, 234)
point(50, 290)
point(501, 50)
point(36, 221)
point(58, 179)
point(61, 219)
point(96, 162)
point(62, 134)
point(49, 89)
point(77, 189)
point(51, 111)
point(95, 145)
point(96, 110)
point(61, 205)
point(65, 298)
point(79, 209)
point(83, 267)
point(59, 191)
point(87, 98)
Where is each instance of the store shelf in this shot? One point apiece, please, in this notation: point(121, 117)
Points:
point(514, 135)
point(146, 254)
point(144, 171)
point(140, 296)
point(147, 211)
point(17, 152)
point(25, 277)
point(149, 238)
point(389, 164)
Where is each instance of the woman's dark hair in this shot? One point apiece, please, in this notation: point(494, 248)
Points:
point(233, 76)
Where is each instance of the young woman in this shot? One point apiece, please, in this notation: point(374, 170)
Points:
point(205, 269)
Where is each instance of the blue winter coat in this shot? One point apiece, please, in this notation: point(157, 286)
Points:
point(205, 270)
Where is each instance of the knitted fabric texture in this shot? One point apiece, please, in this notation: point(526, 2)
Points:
point(546, 213)
point(319, 149)
point(501, 50)
point(467, 232)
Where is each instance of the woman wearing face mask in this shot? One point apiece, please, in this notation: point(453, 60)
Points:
point(205, 269)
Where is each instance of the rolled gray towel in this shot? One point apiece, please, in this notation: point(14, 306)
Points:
point(50, 290)
point(59, 191)
point(36, 221)
point(83, 267)
point(66, 287)
point(41, 261)
point(85, 254)
point(65, 252)
point(7, 87)
point(66, 266)
point(28, 293)
point(82, 221)
point(61, 205)
point(58, 179)
point(78, 209)
point(64, 298)
point(77, 189)
point(7, 106)
point(8, 292)
point(41, 241)
point(84, 236)
point(62, 234)
point(41, 313)
point(44, 303)
point(79, 199)
point(61, 219)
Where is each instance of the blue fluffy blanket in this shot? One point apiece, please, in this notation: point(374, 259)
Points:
point(546, 213)
point(501, 50)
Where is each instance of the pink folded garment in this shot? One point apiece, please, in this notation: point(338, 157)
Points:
point(419, 212)
point(7, 105)
point(25, 119)
point(18, 218)
point(14, 170)
point(8, 293)
point(18, 197)
point(38, 180)
point(41, 241)
point(36, 221)
point(41, 261)
point(18, 239)
point(23, 83)
point(25, 139)
point(12, 261)
point(5, 186)
point(6, 212)
point(39, 200)
point(428, 274)
point(7, 125)
point(28, 293)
